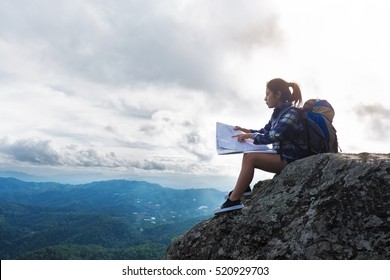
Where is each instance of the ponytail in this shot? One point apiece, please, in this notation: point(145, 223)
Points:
point(296, 96)
point(283, 87)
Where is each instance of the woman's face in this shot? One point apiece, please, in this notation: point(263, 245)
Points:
point(272, 100)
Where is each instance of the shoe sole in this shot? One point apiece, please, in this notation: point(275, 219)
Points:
point(228, 209)
point(245, 194)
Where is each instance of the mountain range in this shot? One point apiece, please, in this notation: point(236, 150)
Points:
point(116, 219)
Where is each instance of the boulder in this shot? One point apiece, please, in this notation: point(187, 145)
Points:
point(328, 206)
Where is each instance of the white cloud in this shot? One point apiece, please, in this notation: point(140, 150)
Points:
point(376, 118)
point(127, 42)
point(136, 86)
point(29, 150)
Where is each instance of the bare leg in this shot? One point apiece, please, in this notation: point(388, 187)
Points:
point(267, 162)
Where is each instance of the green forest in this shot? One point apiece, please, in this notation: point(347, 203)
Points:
point(106, 220)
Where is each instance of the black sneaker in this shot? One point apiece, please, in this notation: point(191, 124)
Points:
point(229, 206)
point(248, 192)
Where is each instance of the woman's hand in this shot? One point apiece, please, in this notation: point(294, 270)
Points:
point(241, 137)
point(241, 129)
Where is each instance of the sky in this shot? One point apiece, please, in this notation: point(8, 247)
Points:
point(94, 90)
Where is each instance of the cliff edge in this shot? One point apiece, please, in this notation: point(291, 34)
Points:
point(329, 206)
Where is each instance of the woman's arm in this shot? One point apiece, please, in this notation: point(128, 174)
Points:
point(250, 133)
point(288, 121)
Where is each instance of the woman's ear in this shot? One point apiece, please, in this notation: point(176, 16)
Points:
point(278, 94)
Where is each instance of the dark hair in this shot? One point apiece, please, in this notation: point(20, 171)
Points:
point(281, 85)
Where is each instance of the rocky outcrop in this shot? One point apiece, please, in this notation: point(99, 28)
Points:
point(329, 206)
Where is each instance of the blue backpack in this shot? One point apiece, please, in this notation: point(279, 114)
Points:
point(320, 135)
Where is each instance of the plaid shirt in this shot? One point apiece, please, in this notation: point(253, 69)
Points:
point(285, 135)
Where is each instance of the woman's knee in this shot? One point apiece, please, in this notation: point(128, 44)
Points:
point(252, 159)
point(268, 162)
point(246, 157)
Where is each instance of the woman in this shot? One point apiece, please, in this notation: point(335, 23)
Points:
point(283, 131)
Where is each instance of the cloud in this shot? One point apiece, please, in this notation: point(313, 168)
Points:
point(376, 117)
point(42, 152)
point(30, 150)
point(373, 110)
point(137, 86)
point(38, 152)
point(194, 144)
point(132, 42)
point(126, 73)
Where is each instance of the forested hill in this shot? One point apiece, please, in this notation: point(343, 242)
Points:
point(116, 219)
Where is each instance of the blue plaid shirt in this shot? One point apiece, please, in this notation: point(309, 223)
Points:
point(286, 135)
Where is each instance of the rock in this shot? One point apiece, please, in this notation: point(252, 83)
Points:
point(329, 206)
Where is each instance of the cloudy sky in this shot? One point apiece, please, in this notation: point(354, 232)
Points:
point(94, 89)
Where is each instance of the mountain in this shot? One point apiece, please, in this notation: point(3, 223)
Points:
point(21, 176)
point(329, 206)
point(117, 219)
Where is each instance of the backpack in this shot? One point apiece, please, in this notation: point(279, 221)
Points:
point(320, 135)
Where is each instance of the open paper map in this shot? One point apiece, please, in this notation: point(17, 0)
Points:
point(226, 144)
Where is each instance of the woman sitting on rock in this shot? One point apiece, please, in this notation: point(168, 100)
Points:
point(284, 131)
